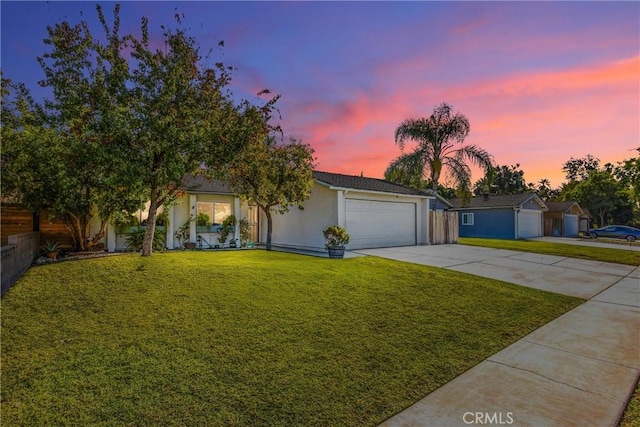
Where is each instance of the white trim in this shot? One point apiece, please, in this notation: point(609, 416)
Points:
point(342, 210)
point(193, 213)
point(387, 193)
point(467, 215)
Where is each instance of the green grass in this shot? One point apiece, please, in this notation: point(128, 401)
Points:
point(619, 256)
point(247, 338)
point(631, 416)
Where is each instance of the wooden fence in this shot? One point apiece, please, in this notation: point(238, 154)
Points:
point(444, 227)
point(18, 220)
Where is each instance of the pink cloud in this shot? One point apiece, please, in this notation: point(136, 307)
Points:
point(538, 119)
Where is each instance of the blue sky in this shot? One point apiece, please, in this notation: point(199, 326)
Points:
point(539, 81)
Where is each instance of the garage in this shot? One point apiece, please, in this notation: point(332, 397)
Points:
point(529, 223)
point(570, 225)
point(376, 224)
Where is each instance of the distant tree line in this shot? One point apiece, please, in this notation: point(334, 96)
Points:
point(611, 193)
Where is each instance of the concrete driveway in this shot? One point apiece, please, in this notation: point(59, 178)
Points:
point(568, 276)
point(577, 370)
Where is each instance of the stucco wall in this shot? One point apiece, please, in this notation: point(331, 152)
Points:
point(489, 223)
point(303, 228)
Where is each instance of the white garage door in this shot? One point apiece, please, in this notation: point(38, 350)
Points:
point(529, 223)
point(376, 224)
point(570, 225)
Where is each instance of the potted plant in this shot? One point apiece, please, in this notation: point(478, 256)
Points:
point(183, 234)
point(335, 238)
point(203, 222)
point(223, 234)
point(245, 231)
point(51, 249)
point(225, 229)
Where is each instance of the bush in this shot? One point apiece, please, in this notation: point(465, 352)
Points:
point(202, 219)
point(135, 239)
point(335, 236)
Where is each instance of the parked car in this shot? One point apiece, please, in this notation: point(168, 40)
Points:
point(616, 231)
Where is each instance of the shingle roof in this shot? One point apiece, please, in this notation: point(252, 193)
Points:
point(364, 183)
point(561, 206)
point(200, 184)
point(509, 201)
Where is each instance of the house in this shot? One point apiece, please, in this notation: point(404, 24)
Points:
point(213, 198)
point(376, 213)
point(562, 219)
point(515, 216)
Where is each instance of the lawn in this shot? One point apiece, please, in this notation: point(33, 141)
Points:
point(631, 416)
point(619, 256)
point(247, 338)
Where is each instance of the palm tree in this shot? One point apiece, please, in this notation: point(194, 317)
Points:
point(437, 137)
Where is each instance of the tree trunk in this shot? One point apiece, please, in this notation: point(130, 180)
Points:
point(78, 231)
point(147, 242)
point(601, 214)
point(95, 240)
point(267, 212)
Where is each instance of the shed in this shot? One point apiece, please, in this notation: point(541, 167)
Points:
point(562, 219)
point(516, 216)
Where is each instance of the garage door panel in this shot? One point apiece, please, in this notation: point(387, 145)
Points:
point(529, 224)
point(570, 225)
point(374, 224)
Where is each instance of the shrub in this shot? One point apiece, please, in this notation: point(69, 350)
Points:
point(335, 236)
point(202, 219)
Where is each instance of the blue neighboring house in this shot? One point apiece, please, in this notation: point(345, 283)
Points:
point(517, 216)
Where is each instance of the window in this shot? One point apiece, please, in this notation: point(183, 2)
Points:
point(217, 212)
point(467, 219)
point(222, 211)
point(205, 208)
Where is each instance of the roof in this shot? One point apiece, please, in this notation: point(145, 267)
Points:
point(201, 184)
point(495, 202)
point(562, 206)
point(354, 182)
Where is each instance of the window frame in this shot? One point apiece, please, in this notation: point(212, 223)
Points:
point(467, 218)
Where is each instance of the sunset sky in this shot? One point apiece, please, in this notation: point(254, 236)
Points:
point(540, 82)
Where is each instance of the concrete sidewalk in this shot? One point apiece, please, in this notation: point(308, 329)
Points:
point(577, 370)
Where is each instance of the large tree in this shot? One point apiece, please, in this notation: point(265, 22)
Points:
point(604, 196)
point(184, 117)
point(437, 149)
point(544, 190)
point(578, 169)
point(61, 155)
point(503, 180)
point(132, 120)
point(273, 176)
point(628, 173)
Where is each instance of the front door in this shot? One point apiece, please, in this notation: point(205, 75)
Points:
point(254, 227)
